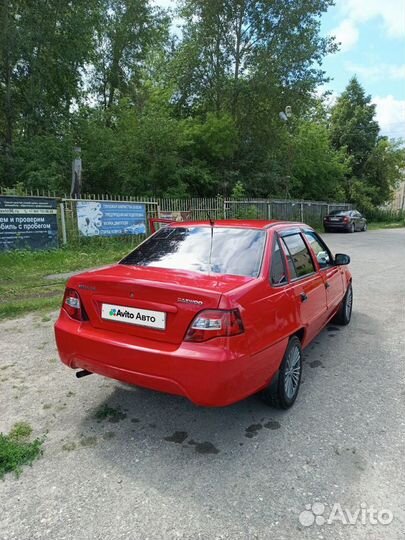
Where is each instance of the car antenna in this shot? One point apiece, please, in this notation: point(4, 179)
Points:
point(212, 223)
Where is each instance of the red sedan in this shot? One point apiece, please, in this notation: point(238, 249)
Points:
point(212, 311)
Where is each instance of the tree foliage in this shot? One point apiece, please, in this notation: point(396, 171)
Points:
point(189, 114)
point(353, 125)
point(319, 170)
point(127, 33)
point(375, 162)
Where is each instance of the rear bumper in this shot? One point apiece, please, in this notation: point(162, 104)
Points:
point(205, 373)
point(337, 226)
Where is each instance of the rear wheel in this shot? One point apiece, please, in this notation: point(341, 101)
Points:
point(352, 228)
point(344, 314)
point(364, 227)
point(283, 390)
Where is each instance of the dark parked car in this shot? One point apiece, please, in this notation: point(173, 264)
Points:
point(345, 220)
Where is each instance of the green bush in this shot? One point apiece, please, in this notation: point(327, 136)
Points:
point(379, 215)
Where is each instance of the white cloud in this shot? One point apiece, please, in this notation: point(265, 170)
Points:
point(390, 114)
point(397, 72)
point(346, 35)
point(378, 71)
point(356, 12)
point(392, 12)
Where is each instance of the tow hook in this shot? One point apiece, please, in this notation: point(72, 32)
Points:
point(83, 373)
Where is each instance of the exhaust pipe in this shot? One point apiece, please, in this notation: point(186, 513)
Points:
point(83, 373)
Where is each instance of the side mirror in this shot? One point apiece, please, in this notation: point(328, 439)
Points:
point(341, 259)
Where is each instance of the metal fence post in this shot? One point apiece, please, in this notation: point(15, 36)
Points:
point(63, 222)
point(302, 211)
point(224, 209)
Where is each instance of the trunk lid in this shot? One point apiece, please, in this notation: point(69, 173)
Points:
point(171, 297)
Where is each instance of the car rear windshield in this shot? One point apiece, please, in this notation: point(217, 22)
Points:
point(234, 251)
point(339, 213)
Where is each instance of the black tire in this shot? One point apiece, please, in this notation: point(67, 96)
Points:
point(344, 314)
point(352, 228)
point(326, 229)
point(279, 393)
point(364, 229)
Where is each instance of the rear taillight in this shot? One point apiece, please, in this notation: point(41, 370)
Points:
point(71, 304)
point(346, 219)
point(213, 323)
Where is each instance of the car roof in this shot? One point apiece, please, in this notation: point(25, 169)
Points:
point(238, 223)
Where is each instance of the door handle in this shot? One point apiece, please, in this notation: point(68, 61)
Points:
point(327, 285)
point(303, 297)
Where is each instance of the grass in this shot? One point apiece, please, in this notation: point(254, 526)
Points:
point(373, 226)
point(23, 284)
point(16, 450)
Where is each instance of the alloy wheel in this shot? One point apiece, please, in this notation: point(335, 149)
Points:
point(349, 303)
point(292, 372)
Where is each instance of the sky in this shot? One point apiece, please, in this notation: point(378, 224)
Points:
point(372, 37)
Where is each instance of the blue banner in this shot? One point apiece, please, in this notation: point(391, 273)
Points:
point(110, 218)
point(28, 223)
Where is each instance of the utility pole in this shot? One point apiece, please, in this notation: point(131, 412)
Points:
point(285, 117)
point(76, 188)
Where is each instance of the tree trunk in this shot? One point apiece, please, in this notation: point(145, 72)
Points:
point(8, 101)
point(238, 59)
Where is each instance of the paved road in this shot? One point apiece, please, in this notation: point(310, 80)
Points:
point(162, 468)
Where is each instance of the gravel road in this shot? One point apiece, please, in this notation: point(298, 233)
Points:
point(152, 466)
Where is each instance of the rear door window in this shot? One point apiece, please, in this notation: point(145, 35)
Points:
point(300, 256)
point(288, 258)
point(278, 274)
